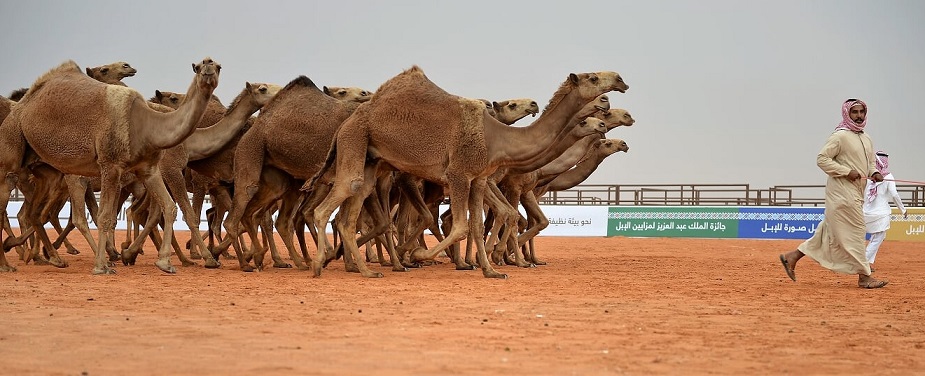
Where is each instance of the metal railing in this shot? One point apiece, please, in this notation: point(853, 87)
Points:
point(707, 195)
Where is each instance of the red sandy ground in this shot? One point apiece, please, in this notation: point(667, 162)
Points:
point(601, 306)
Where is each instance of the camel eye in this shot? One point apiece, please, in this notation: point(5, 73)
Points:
point(364, 93)
point(593, 78)
point(104, 70)
point(605, 99)
point(512, 106)
point(125, 66)
point(342, 92)
point(263, 90)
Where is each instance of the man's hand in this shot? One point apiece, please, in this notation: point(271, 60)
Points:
point(854, 175)
point(877, 177)
point(905, 214)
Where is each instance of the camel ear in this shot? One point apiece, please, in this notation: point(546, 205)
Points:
point(584, 122)
point(247, 85)
point(573, 77)
point(326, 90)
point(89, 72)
point(158, 94)
point(195, 69)
point(497, 106)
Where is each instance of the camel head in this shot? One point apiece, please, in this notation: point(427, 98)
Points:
point(608, 146)
point(616, 117)
point(167, 98)
point(354, 94)
point(511, 110)
point(593, 84)
point(262, 92)
point(589, 126)
point(207, 73)
point(112, 73)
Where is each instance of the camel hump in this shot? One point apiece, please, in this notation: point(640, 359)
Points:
point(301, 81)
point(66, 67)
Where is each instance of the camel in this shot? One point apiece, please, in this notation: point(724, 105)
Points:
point(507, 112)
point(416, 127)
point(291, 134)
point(112, 73)
point(574, 176)
point(105, 131)
point(202, 143)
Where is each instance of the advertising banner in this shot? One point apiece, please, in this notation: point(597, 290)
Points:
point(778, 223)
point(911, 228)
point(679, 222)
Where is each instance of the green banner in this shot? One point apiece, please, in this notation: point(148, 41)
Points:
point(673, 222)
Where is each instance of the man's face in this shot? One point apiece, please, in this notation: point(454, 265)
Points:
point(857, 113)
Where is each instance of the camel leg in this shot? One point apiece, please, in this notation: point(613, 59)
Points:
point(382, 227)
point(109, 197)
point(177, 185)
point(459, 204)
point(221, 201)
point(154, 183)
point(199, 197)
point(477, 226)
point(347, 227)
point(289, 205)
point(76, 186)
point(508, 213)
point(538, 219)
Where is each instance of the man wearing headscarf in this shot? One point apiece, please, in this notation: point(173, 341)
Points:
point(847, 158)
point(877, 206)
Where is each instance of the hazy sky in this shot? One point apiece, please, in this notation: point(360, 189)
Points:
point(722, 91)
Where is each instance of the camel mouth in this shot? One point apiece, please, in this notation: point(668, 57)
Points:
point(130, 74)
point(601, 108)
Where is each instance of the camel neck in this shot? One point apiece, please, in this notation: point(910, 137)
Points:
point(521, 146)
point(177, 125)
point(205, 142)
point(576, 175)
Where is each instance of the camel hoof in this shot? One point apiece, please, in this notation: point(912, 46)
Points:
point(526, 265)
point(400, 269)
point(188, 263)
point(58, 263)
point(164, 266)
point(39, 261)
point(103, 271)
point(465, 267)
point(128, 258)
point(494, 274)
point(247, 268)
point(282, 265)
point(538, 262)
point(373, 275)
point(195, 255)
point(418, 255)
point(73, 252)
point(7, 268)
point(113, 257)
point(316, 269)
point(213, 264)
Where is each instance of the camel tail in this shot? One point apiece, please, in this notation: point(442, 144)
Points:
point(332, 154)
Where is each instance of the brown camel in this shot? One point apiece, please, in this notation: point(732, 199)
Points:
point(203, 143)
point(291, 134)
point(416, 127)
point(105, 131)
point(112, 73)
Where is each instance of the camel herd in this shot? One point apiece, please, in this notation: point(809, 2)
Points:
point(384, 161)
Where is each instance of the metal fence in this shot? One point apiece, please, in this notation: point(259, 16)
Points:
point(707, 195)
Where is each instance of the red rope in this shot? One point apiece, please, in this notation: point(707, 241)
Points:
point(902, 181)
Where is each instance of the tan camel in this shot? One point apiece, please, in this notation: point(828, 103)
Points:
point(416, 127)
point(112, 73)
point(353, 94)
point(203, 143)
point(106, 131)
